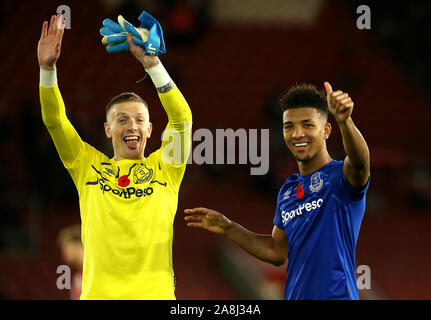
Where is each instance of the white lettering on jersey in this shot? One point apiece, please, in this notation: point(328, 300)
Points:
point(308, 206)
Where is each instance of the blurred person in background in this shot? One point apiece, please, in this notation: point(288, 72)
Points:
point(72, 252)
point(128, 203)
point(319, 211)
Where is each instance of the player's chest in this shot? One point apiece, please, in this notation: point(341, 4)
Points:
point(302, 201)
point(126, 181)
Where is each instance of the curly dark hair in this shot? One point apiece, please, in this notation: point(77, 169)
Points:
point(304, 95)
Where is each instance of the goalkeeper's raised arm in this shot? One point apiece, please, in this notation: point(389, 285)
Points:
point(66, 139)
point(176, 107)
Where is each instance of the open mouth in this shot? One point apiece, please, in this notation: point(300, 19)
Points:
point(300, 146)
point(131, 141)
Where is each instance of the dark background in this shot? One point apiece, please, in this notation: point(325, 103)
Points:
point(231, 60)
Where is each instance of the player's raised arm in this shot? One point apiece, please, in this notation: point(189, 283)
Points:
point(357, 163)
point(67, 141)
point(152, 66)
point(176, 107)
point(269, 248)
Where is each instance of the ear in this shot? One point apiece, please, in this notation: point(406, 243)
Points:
point(327, 130)
point(150, 129)
point(108, 130)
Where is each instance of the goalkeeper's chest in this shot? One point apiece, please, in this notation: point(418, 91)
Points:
point(128, 181)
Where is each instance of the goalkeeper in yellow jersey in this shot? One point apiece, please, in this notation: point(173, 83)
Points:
point(128, 202)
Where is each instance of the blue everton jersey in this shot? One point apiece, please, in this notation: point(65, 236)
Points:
point(321, 214)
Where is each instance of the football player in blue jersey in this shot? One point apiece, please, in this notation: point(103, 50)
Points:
point(319, 210)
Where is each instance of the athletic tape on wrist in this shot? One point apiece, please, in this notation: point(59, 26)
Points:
point(159, 75)
point(48, 78)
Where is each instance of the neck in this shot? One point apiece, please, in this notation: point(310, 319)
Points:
point(314, 164)
point(137, 157)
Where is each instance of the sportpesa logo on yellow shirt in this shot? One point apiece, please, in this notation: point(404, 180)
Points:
point(108, 181)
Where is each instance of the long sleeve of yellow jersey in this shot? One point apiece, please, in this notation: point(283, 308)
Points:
point(178, 130)
point(67, 141)
point(69, 144)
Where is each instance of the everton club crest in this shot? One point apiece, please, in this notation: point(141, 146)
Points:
point(316, 182)
point(142, 174)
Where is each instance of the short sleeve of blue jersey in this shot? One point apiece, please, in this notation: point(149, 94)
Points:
point(346, 189)
point(277, 218)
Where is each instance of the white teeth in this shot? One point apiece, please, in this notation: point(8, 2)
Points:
point(131, 138)
point(300, 144)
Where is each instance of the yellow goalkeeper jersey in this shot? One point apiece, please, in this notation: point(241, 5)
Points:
point(127, 207)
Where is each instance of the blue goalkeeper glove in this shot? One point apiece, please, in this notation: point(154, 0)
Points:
point(149, 35)
point(115, 38)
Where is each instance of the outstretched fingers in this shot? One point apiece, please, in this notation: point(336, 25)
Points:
point(55, 27)
point(195, 225)
point(193, 218)
point(193, 221)
point(52, 25)
point(44, 32)
point(61, 23)
point(197, 211)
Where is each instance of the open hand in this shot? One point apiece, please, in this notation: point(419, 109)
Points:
point(207, 219)
point(48, 48)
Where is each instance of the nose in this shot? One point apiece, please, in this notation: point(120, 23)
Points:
point(298, 133)
point(133, 125)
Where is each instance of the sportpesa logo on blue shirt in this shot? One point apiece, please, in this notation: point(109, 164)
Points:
point(308, 206)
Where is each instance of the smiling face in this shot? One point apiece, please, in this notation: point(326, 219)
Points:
point(128, 124)
point(305, 132)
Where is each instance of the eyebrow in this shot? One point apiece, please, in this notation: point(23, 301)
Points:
point(127, 115)
point(302, 121)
